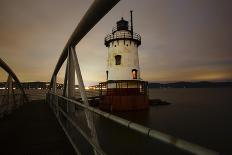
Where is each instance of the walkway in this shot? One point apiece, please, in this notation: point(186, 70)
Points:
point(33, 129)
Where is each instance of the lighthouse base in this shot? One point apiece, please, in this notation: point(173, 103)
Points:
point(123, 95)
point(124, 103)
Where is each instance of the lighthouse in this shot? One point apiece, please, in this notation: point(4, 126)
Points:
point(123, 89)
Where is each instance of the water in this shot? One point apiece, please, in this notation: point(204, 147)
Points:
point(202, 116)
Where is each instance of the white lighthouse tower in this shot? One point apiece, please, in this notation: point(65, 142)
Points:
point(124, 88)
point(123, 60)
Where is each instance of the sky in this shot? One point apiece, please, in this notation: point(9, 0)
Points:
point(182, 40)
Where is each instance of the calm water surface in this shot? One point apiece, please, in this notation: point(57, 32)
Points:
point(202, 116)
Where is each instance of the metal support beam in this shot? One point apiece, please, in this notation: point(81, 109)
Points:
point(71, 81)
point(65, 81)
point(13, 75)
point(79, 76)
point(96, 11)
point(71, 76)
point(9, 94)
point(54, 89)
point(10, 84)
point(89, 116)
point(54, 85)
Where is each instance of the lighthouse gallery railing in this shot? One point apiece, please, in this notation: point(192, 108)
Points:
point(122, 36)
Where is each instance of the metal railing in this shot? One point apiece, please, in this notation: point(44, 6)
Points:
point(114, 29)
point(76, 123)
point(123, 87)
point(10, 99)
point(10, 102)
point(75, 132)
point(122, 36)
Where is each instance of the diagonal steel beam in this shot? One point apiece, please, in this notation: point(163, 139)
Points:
point(96, 11)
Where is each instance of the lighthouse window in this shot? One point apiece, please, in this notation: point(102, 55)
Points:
point(118, 59)
point(134, 73)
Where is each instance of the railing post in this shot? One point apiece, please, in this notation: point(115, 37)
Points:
point(13, 98)
point(9, 95)
point(54, 87)
point(89, 115)
point(71, 81)
point(79, 76)
point(65, 81)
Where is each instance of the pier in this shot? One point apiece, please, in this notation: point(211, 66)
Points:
point(60, 124)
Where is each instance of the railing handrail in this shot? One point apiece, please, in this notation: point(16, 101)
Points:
point(157, 135)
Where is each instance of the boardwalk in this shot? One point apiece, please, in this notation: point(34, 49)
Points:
point(33, 129)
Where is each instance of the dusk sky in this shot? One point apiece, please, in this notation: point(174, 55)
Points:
point(182, 40)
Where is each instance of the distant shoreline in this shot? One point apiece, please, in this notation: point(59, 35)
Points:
point(204, 84)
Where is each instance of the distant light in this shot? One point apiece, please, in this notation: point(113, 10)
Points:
point(2, 88)
point(87, 87)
